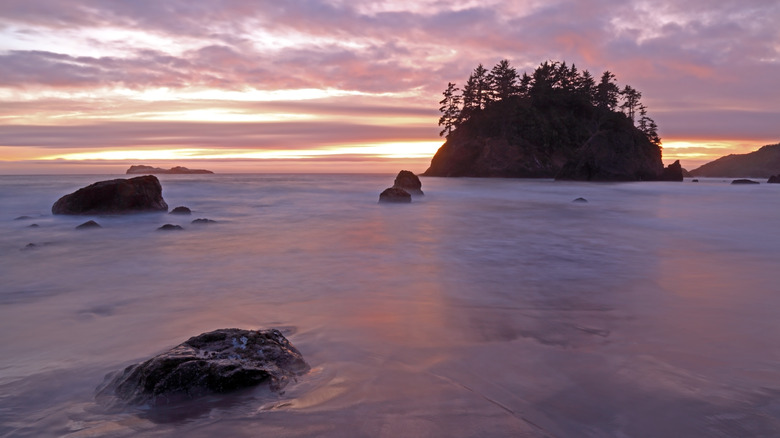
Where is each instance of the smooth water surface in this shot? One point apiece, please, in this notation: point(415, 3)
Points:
point(488, 307)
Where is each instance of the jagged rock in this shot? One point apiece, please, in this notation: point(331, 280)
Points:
point(215, 362)
point(395, 195)
point(88, 224)
point(673, 172)
point(774, 179)
point(181, 210)
point(178, 170)
point(118, 196)
point(582, 200)
point(744, 181)
point(204, 221)
point(409, 182)
point(170, 227)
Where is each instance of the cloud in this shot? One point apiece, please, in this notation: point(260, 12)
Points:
point(704, 67)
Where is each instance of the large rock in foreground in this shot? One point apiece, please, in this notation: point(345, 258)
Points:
point(117, 196)
point(215, 362)
point(409, 182)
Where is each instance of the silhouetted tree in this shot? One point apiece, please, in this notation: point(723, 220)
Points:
point(475, 93)
point(450, 109)
point(503, 81)
point(607, 92)
point(631, 101)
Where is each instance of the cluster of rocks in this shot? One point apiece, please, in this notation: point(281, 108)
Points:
point(405, 185)
point(119, 196)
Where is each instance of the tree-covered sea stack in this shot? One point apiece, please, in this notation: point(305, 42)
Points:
point(556, 123)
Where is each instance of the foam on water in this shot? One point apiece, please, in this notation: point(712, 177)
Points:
point(489, 307)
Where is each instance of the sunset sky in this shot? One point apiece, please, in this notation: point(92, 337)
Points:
point(92, 86)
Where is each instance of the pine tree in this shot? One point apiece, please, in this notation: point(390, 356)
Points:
point(450, 109)
point(607, 92)
point(631, 101)
point(503, 81)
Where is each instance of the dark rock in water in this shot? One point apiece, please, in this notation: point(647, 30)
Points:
point(582, 200)
point(170, 227)
point(774, 179)
point(33, 226)
point(395, 195)
point(30, 246)
point(672, 172)
point(744, 181)
point(408, 181)
point(181, 210)
point(88, 224)
point(204, 221)
point(178, 170)
point(214, 362)
point(22, 218)
point(118, 196)
point(694, 180)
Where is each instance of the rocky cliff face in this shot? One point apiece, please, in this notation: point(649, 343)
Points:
point(762, 163)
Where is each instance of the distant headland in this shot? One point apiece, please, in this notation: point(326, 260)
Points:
point(556, 123)
point(147, 170)
point(762, 163)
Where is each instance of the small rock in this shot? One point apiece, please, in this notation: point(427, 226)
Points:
point(204, 221)
point(88, 224)
point(22, 218)
point(580, 200)
point(170, 227)
point(214, 362)
point(30, 246)
point(33, 226)
point(694, 180)
point(395, 195)
point(774, 179)
point(181, 210)
point(744, 181)
point(409, 182)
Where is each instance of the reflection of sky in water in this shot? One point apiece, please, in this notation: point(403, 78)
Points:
point(488, 307)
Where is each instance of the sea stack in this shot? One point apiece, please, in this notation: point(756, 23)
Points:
point(409, 182)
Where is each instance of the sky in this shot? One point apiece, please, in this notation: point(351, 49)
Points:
point(93, 86)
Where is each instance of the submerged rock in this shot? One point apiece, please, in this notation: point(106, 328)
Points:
point(181, 210)
point(409, 182)
point(22, 218)
point(88, 224)
point(215, 362)
point(745, 181)
point(395, 195)
point(583, 200)
point(117, 196)
point(170, 227)
point(33, 226)
point(204, 221)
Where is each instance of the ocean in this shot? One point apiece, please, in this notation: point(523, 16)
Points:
point(486, 308)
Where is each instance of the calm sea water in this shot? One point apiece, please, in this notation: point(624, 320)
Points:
point(487, 308)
